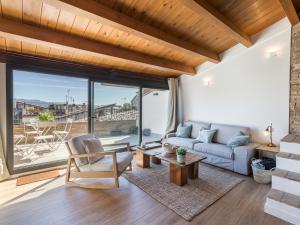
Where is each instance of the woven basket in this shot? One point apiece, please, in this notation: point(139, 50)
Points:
point(169, 148)
point(262, 176)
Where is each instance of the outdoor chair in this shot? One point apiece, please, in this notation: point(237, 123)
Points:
point(44, 136)
point(31, 129)
point(18, 138)
point(61, 135)
point(90, 160)
point(46, 139)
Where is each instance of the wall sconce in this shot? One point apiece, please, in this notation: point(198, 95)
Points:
point(269, 131)
point(273, 53)
point(207, 82)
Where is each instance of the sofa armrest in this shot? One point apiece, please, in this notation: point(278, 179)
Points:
point(196, 141)
point(242, 158)
point(170, 135)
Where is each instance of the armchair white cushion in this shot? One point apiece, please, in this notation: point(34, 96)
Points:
point(106, 163)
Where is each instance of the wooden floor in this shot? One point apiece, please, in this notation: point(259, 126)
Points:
point(50, 202)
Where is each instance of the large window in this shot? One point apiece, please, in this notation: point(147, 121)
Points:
point(47, 109)
point(155, 109)
point(116, 113)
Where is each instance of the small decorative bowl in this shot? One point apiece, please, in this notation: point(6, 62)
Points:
point(169, 148)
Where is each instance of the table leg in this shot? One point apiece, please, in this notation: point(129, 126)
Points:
point(178, 174)
point(155, 160)
point(193, 170)
point(142, 160)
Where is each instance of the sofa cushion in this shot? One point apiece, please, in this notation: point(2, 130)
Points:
point(206, 136)
point(218, 161)
point(197, 126)
point(106, 164)
point(216, 149)
point(183, 142)
point(225, 132)
point(238, 140)
point(184, 131)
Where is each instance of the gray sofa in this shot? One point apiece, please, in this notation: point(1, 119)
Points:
point(217, 153)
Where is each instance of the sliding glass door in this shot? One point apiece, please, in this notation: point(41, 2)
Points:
point(116, 113)
point(46, 110)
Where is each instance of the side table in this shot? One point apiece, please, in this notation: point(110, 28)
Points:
point(262, 148)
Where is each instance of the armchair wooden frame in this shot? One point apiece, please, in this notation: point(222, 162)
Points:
point(70, 174)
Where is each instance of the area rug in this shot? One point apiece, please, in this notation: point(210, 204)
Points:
point(189, 200)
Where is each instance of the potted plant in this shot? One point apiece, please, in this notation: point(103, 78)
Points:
point(46, 117)
point(181, 152)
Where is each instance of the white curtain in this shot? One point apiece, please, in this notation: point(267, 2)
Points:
point(4, 174)
point(172, 105)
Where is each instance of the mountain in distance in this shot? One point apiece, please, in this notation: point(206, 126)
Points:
point(34, 102)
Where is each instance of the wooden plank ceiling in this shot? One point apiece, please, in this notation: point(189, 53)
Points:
point(161, 37)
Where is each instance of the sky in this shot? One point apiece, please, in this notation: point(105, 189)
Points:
point(53, 88)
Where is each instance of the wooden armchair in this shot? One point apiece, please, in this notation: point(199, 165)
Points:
point(112, 165)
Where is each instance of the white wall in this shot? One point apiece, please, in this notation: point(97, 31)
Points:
point(155, 111)
point(249, 87)
point(3, 102)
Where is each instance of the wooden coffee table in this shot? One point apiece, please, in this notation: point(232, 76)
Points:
point(143, 156)
point(179, 173)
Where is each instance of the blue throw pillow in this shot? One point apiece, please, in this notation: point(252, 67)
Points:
point(238, 140)
point(206, 136)
point(184, 131)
